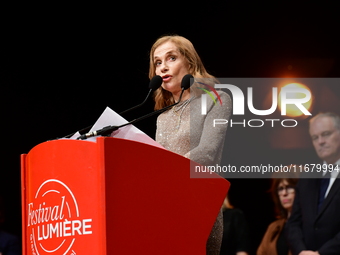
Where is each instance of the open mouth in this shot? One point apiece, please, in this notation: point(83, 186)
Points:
point(166, 77)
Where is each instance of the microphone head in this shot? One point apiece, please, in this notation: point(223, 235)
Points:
point(186, 81)
point(155, 82)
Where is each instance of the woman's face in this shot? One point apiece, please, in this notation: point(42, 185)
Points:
point(171, 66)
point(286, 194)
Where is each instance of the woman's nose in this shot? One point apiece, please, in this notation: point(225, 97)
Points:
point(164, 68)
point(284, 192)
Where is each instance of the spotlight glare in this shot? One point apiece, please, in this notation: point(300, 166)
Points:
point(291, 109)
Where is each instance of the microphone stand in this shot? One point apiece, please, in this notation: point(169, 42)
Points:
point(132, 108)
point(154, 84)
point(125, 111)
point(106, 131)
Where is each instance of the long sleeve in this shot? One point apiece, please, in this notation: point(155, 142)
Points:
point(186, 131)
point(207, 140)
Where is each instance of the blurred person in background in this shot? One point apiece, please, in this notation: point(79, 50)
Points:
point(283, 193)
point(236, 236)
point(314, 226)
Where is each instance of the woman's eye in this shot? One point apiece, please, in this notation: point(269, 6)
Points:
point(157, 63)
point(172, 58)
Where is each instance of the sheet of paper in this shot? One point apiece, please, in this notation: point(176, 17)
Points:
point(129, 132)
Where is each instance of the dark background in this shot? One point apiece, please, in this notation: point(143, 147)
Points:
point(60, 66)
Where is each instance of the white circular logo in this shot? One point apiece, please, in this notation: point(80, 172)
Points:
point(54, 221)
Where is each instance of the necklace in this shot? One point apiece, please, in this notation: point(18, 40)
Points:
point(178, 110)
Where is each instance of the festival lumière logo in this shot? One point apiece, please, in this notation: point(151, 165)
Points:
point(54, 221)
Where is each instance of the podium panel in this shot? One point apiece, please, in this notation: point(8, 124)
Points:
point(114, 196)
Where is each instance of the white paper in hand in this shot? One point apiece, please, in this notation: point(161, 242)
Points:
point(129, 132)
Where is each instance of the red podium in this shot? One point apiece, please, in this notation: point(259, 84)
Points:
point(114, 196)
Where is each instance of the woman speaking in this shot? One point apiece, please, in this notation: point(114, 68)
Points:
point(183, 129)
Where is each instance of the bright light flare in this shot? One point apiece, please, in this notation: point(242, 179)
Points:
point(291, 109)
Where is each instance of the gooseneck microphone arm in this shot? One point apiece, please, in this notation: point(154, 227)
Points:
point(154, 84)
point(137, 106)
point(106, 131)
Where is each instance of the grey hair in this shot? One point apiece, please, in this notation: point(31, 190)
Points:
point(334, 116)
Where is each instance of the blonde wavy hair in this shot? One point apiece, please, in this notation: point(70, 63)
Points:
point(163, 97)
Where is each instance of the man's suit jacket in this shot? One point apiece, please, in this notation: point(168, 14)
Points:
point(308, 229)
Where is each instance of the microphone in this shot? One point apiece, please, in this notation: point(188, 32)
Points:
point(106, 131)
point(154, 84)
point(186, 81)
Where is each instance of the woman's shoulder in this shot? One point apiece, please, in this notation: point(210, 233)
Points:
point(223, 101)
point(224, 96)
point(277, 224)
